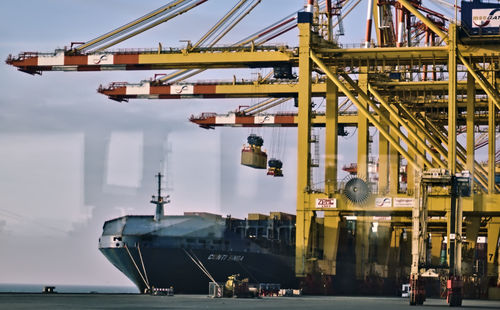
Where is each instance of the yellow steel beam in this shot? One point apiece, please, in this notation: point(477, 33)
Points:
point(331, 143)
point(304, 214)
point(481, 174)
point(384, 56)
point(362, 109)
point(438, 53)
point(418, 85)
point(478, 169)
point(216, 60)
point(423, 131)
point(437, 207)
point(330, 242)
point(383, 158)
point(394, 164)
point(319, 88)
point(267, 90)
point(347, 120)
point(386, 120)
point(492, 136)
point(363, 229)
point(411, 132)
point(452, 100)
point(363, 128)
point(471, 143)
point(483, 82)
point(473, 224)
point(478, 52)
point(493, 255)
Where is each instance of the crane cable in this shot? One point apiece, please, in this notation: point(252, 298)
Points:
point(154, 24)
point(219, 30)
point(172, 9)
point(158, 12)
point(268, 33)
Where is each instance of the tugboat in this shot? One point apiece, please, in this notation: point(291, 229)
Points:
point(188, 251)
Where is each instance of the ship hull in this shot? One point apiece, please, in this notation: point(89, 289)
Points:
point(176, 267)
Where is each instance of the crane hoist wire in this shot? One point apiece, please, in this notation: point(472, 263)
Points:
point(266, 106)
point(137, 22)
point(277, 149)
point(275, 33)
point(249, 110)
point(266, 34)
point(483, 140)
point(214, 35)
point(269, 29)
point(141, 24)
point(229, 21)
point(275, 29)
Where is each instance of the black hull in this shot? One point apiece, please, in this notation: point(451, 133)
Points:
point(166, 267)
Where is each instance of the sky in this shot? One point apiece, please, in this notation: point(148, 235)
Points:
point(70, 158)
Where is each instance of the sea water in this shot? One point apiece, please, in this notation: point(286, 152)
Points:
point(77, 289)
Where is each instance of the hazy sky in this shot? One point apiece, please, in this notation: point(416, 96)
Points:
point(71, 159)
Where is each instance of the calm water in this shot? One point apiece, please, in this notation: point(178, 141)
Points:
point(37, 288)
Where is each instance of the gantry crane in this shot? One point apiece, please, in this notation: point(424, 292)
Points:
point(405, 84)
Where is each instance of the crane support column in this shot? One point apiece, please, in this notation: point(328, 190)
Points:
point(493, 255)
point(493, 237)
point(363, 134)
point(331, 142)
point(410, 171)
point(452, 99)
point(492, 135)
point(304, 213)
point(394, 164)
point(393, 260)
point(471, 95)
point(473, 223)
point(328, 264)
point(383, 159)
point(383, 233)
point(363, 223)
point(454, 216)
point(417, 287)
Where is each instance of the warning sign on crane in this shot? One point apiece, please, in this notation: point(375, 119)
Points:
point(326, 203)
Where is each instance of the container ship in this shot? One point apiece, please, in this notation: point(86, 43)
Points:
point(188, 251)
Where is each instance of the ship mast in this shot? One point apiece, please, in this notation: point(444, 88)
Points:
point(159, 201)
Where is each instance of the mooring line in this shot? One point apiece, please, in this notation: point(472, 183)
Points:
point(199, 264)
point(142, 262)
point(133, 261)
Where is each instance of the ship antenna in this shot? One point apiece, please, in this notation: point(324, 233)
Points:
point(159, 200)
